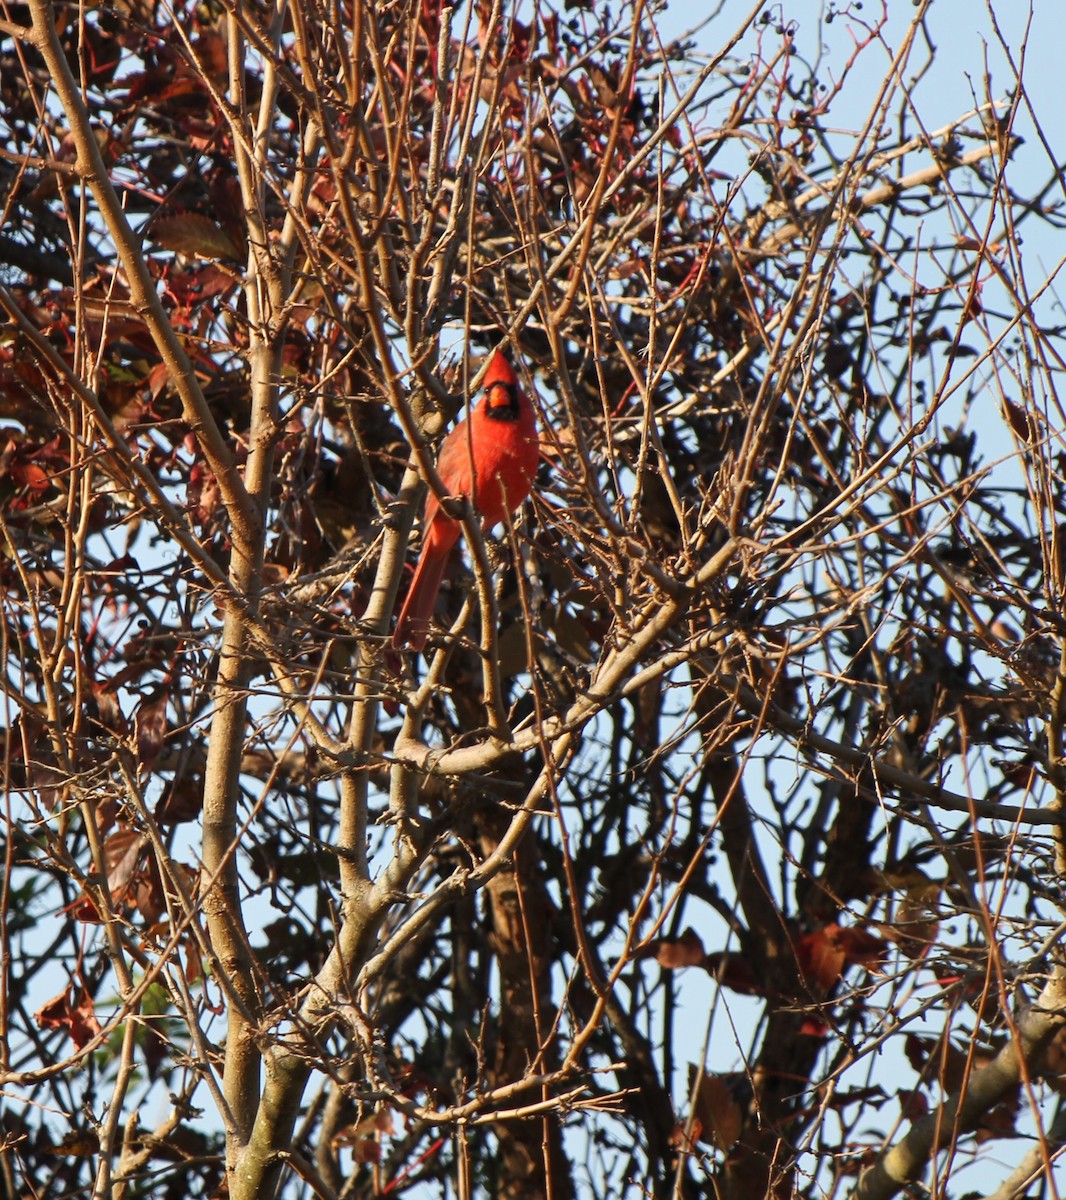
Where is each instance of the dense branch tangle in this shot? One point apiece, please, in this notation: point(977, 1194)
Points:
point(734, 735)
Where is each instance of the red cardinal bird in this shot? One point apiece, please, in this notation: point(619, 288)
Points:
point(490, 458)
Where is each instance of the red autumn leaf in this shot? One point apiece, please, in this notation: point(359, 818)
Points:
point(83, 909)
point(108, 711)
point(682, 1139)
point(194, 287)
point(976, 989)
point(195, 235)
point(366, 1150)
point(716, 1109)
point(671, 953)
point(151, 725)
point(913, 1104)
point(145, 84)
point(949, 1064)
point(735, 972)
point(76, 1016)
point(1019, 419)
point(210, 51)
point(971, 243)
point(378, 1122)
point(30, 475)
point(146, 893)
point(973, 307)
point(814, 1027)
point(122, 850)
point(204, 495)
point(917, 1050)
point(154, 1047)
point(194, 965)
point(821, 958)
point(158, 378)
point(1000, 1121)
point(917, 924)
point(862, 948)
point(181, 801)
point(825, 954)
point(1053, 1064)
point(78, 1143)
point(54, 1013)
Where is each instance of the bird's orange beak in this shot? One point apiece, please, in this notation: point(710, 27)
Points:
point(500, 395)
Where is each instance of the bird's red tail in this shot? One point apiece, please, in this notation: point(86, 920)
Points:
point(412, 625)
